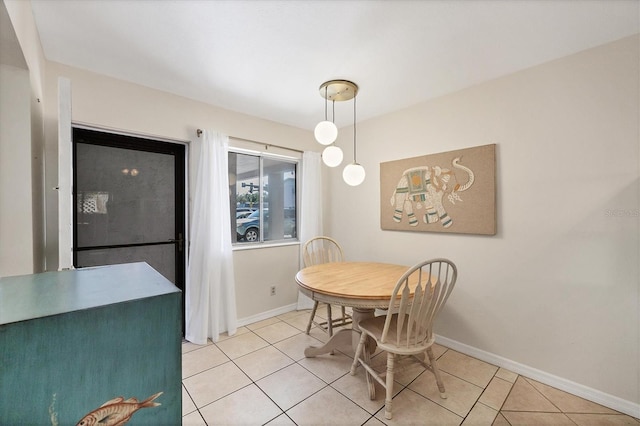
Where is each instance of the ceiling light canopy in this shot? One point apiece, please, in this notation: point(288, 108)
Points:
point(326, 131)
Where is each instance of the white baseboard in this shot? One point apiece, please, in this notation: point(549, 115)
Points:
point(266, 315)
point(594, 395)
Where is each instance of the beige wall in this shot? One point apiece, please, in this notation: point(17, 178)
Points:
point(23, 24)
point(557, 288)
point(16, 235)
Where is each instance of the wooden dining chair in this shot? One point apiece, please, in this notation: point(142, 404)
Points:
point(418, 297)
point(324, 250)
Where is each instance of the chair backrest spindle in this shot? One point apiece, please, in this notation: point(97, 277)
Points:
point(321, 250)
point(417, 298)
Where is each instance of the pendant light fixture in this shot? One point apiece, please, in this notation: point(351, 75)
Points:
point(354, 174)
point(326, 131)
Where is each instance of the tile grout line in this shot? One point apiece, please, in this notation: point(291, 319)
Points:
point(326, 384)
point(404, 387)
point(452, 375)
point(254, 382)
point(506, 398)
point(243, 372)
point(544, 396)
point(495, 376)
point(476, 402)
point(331, 384)
point(237, 366)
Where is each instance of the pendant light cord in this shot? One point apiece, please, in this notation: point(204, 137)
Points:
point(333, 112)
point(333, 105)
point(325, 103)
point(354, 130)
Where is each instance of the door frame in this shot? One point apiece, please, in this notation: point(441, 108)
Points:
point(184, 188)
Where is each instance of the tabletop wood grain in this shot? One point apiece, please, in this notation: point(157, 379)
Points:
point(352, 280)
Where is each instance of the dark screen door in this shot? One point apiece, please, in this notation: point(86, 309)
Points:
point(130, 198)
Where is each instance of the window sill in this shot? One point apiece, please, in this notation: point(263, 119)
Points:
point(255, 246)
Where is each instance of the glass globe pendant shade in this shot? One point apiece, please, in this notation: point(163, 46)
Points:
point(353, 174)
point(332, 156)
point(326, 132)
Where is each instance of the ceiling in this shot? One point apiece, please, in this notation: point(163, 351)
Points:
point(268, 58)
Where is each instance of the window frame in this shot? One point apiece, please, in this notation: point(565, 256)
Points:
point(293, 159)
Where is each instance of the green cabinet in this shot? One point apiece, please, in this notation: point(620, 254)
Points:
point(72, 341)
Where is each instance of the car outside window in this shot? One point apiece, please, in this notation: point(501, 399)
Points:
point(263, 198)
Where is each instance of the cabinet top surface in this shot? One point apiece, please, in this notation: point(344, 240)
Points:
point(27, 297)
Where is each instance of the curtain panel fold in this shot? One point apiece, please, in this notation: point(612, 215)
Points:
point(310, 208)
point(210, 290)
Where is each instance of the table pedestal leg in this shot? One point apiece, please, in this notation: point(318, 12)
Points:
point(345, 337)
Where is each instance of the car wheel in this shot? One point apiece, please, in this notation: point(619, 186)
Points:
point(252, 234)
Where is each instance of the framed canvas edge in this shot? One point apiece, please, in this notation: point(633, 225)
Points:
point(492, 230)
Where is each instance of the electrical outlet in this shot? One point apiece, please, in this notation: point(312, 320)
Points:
point(273, 290)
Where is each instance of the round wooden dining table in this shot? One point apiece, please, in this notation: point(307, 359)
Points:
point(363, 286)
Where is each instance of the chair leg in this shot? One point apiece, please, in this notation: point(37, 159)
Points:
point(436, 372)
point(356, 357)
point(368, 374)
point(363, 356)
point(389, 385)
point(329, 320)
point(344, 316)
point(313, 315)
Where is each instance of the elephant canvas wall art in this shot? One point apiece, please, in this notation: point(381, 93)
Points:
point(452, 191)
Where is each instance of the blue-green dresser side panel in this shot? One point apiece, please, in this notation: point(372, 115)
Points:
point(57, 369)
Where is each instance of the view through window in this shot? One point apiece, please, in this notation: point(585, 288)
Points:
point(263, 198)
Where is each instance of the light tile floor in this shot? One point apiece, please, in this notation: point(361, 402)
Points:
point(260, 376)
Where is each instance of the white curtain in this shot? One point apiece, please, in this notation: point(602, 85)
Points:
point(310, 208)
point(210, 292)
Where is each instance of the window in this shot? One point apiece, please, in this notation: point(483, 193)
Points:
point(263, 198)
